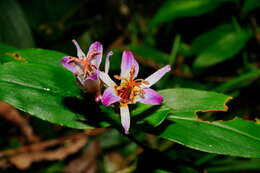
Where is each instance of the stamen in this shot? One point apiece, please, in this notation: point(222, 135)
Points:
point(145, 82)
point(117, 77)
point(94, 67)
point(130, 88)
point(73, 59)
point(132, 72)
point(92, 55)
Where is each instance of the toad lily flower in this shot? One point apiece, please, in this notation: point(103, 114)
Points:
point(85, 68)
point(131, 90)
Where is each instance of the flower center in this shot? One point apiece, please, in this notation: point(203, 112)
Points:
point(85, 64)
point(129, 88)
point(87, 67)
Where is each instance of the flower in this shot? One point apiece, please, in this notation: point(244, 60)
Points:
point(85, 68)
point(131, 90)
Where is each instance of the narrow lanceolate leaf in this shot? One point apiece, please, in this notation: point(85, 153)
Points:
point(209, 46)
point(250, 5)
point(239, 82)
point(173, 9)
point(227, 165)
point(145, 53)
point(15, 29)
point(203, 41)
point(235, 137)
point(150, 114)
point(186, 102)
point(42, 91)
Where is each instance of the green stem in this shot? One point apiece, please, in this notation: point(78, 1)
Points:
point(175, 49)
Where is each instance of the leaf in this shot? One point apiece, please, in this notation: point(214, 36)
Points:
point(5, 51)
point(203, 41)
point(148, 53)
point(40, 77)
point(14, 27)
point(236, 137)
point(186, 102)
point(40, 90)
point(238, 82)
point(236, 165)
point(157, 117)
point(34, 55)
point(143, 114)
point(250, 5)
point(225, 42)
point(174, 9)
point(150, 114)
point(160, 171)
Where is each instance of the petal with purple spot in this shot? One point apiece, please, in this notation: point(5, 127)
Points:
point(80, 53)
point(128, 61)
point(125, 118)
point(70, 65)
point(150, 97)
point(95, 47)
point(109, 97)
point(156, 76)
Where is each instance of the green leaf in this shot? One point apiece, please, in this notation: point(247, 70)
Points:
point(142, 114)
point(235, 137)
point(238, 82)
point(41, 91)
point(219, 45)
point(14, 27)
point(250, 5)
point(147, 53)
point(173, 9)
point(203, 41)
point(236, 165)
point(150, 114)
point(186, 102)
point(34, 55)
point(5, 52)
point(160, 171)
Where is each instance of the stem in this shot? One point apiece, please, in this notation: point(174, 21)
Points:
point(132, 138)
point(175, 49)
point(236, 24)
point(147, 150)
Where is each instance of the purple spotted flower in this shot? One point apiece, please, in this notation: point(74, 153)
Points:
point(131, 90)
point(85, 68)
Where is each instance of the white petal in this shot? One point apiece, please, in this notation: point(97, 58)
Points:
point(125, 118)
point(156, 76)
point(106, 79)
point(80, 53)
point(107, 61)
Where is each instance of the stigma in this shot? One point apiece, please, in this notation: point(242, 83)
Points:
point(130, 88)
point(85, 64)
